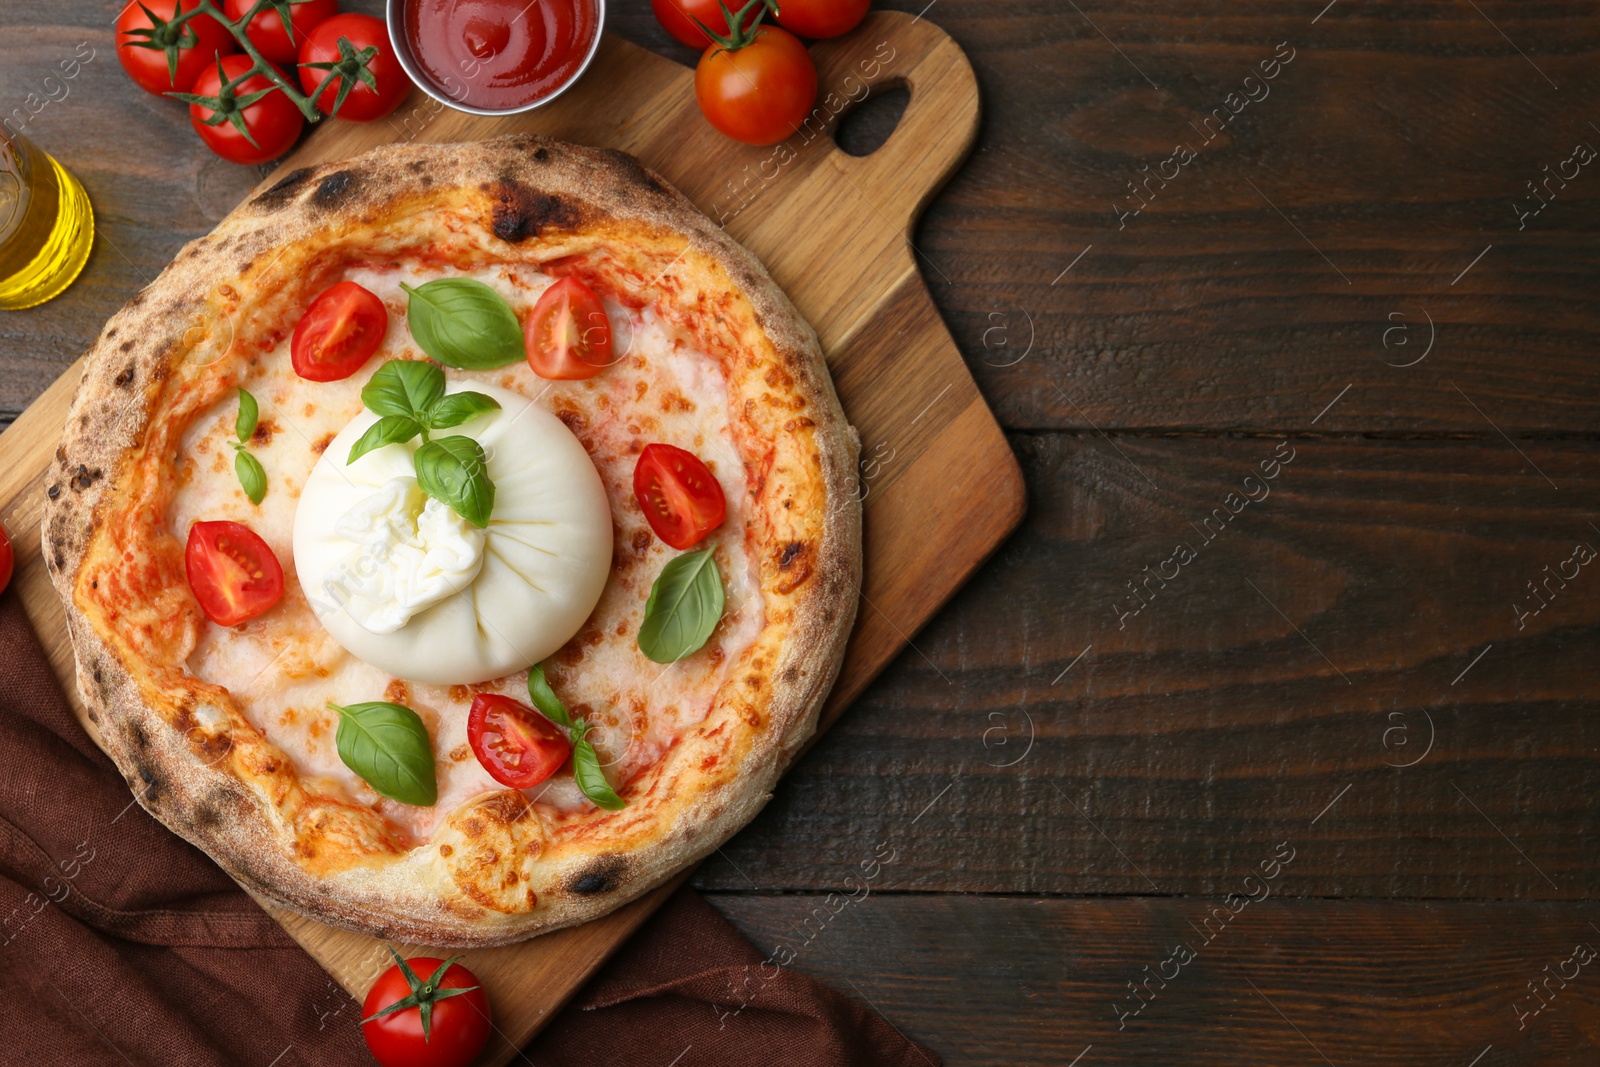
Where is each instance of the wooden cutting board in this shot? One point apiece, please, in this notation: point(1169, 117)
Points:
point(941, 486)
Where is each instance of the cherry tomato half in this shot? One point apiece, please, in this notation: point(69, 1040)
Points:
point(7, 559)
point(820, 18)
point(273, 121)
point(516, 745)
point(458, 1025)
point(677, 18)
point(198, 48)
point(364, 104)
point(681, 499)
point(280, 43)
point(338, 333)
point(758, 94)
point(232, 572)
point(568, 334)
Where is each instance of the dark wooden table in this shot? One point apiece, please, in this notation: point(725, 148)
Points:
point(1256, 744)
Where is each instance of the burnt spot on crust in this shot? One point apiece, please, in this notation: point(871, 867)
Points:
point(126, 375)
point(794, 560)
point(54, 491)
point(416, 165)
point(520, 212)
point(334, 188)
point(600, 876)
point(541, 154)
point(633, 171)
point(283, 191)
point(83, 478)
point(790, 551)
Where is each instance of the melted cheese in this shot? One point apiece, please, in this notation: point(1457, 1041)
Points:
point(284, 667)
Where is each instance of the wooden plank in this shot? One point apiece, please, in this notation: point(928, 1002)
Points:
point(1000, 981)
point(1397, 141)
point(1177, 746)
point(902, 379)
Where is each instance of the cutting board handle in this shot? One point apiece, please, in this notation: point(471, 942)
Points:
point(940, 122)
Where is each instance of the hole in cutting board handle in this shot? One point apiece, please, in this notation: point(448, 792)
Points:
point(864, 128)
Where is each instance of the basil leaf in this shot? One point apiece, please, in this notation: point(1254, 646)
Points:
point(590, 778)
point(464, 323)
point(453, 470)
point(389, 430)
point(456, 408)
point(244, 426)
point(684, 607)
point(585, 761)
point(544, 698)
point(387, 745)
point(252, 476)
point(406, 387)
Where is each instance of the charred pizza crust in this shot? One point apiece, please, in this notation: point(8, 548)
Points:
point(495, 871)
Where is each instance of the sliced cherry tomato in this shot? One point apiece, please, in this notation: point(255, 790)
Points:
point(681, 499)
point(7, 559)
point(458, 1023)
point(758, 93)
point(516, 745)
point(338, 333)
point(364, 103)
point(232, 572)
point(568, 334)
point(273, 121)
point(280, 43)
point(200, 41)
point(820, 18)
point(677, 18)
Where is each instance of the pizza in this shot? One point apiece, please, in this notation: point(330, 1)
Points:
point(459, 540)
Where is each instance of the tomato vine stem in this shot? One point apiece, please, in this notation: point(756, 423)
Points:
point(349, 70)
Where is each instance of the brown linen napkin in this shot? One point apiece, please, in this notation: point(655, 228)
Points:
point(122, 944)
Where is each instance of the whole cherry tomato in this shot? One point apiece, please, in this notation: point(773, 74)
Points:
point(680, 497)
point(447, 1024)
point(273, 122)
point(759, 92)
point(338, 333)
point(364, 102)
point(568, 334)
point(7, 559)
point(232, 572)
point(199, 42)
point(821, 18)
point(517, 746)
point(677, 18)
point(280, 43)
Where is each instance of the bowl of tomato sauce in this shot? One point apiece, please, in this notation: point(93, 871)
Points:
point(495, 57)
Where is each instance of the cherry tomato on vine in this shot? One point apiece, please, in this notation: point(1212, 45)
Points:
point(199, 42)
point(820, 18)
point(568, 334)
point(273, 121)
point(759, 92)
point(445, 1026)
point(364, 102)
point(280, 43)
point(680, 497)
point(677, 18)
point(338, 333)
point(7, 559)
point(517, 746)
point(232, 571)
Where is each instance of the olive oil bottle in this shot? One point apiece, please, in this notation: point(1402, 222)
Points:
point(46, 224)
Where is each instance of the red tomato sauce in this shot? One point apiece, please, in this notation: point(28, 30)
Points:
point(500, 54)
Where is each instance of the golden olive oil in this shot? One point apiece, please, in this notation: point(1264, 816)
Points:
point(46, 225)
